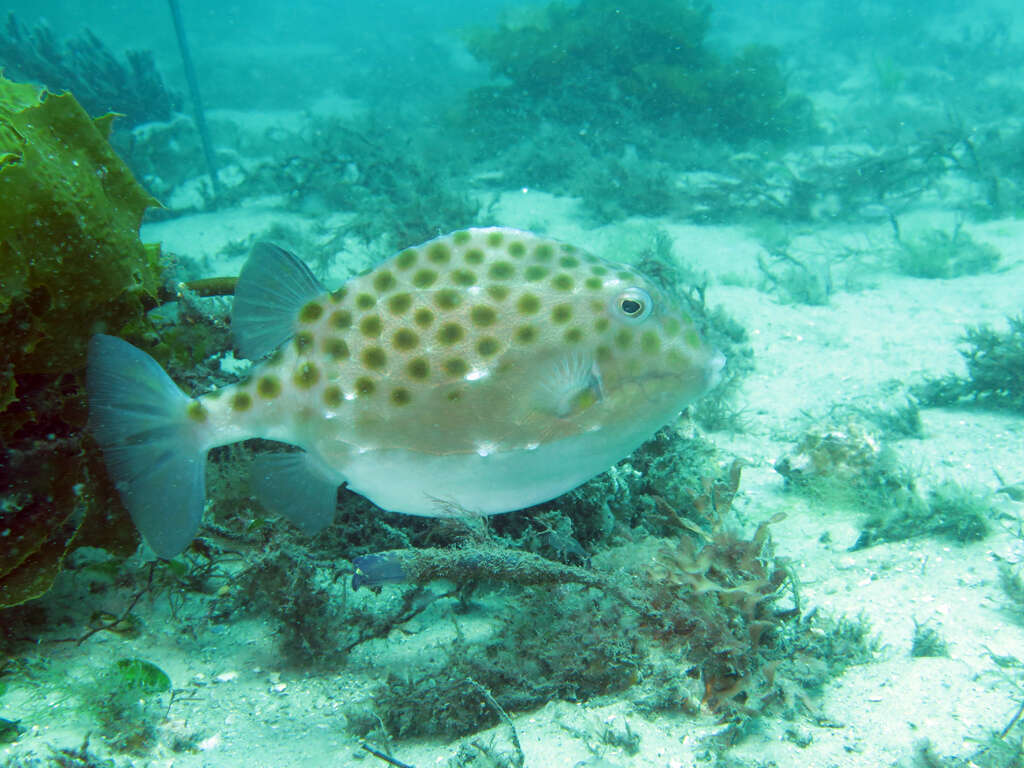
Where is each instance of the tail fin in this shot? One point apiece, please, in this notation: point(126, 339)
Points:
point(151, 441)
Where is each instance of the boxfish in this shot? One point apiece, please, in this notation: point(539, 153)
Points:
point(481, 372)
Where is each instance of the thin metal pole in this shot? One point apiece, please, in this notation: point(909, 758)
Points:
point(193, 88)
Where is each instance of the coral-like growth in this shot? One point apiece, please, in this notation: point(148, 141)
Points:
point(844, 462)
point(87, 68)
point(848, 465)
point(711, 590)
point(71, 264)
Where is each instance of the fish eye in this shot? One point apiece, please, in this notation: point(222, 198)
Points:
point(634, 305)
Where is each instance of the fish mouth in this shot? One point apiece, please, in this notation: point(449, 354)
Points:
point(715, 367)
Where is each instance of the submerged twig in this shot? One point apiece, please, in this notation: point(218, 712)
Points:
point(520, 759)
point(1013, 721)
point(385, 758)
point(204, 288)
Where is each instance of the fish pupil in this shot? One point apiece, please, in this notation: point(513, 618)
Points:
point(631, 307)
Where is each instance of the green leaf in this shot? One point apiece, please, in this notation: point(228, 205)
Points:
point(9, 730)
point(143, 675)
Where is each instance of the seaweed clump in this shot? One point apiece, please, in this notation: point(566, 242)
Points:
point(127, 701)
point(927, 641)
point(71, 264)
point(939, 254)
point(609, 102)
point(401, 190)
point(575, 647)
point(995, 371)
point(597, 62)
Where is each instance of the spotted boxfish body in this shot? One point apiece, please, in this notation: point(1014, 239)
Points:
point(481, 372)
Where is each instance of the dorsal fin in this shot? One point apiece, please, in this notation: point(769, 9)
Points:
point(273, 287)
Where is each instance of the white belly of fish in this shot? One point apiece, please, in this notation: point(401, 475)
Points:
point(456, 484)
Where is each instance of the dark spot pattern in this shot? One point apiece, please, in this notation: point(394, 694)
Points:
point(311, 312)
point(483, 315)
point(488, 346)
point(365, 386)
point(406, 259)
point(303, 341)
point(241, 402)
point(306, 375)
point(418, 368)
point(405, 339)
point(439, 253)
point(336, 348)
point(332, 396)
point(455, 366)
point(371, 326)
point(374, 358)
point(528, 304)
point(399, 303)
point(451, 333)
point(383, 281)
point(268, 387)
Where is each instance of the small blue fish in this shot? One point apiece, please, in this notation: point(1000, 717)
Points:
point(481, 372)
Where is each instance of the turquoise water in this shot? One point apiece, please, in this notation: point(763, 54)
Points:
point(816, 563)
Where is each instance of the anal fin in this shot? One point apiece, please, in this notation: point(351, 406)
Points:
point(297, 486)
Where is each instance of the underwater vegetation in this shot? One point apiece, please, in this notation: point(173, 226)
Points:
point(528, 661)
point(611, 102)
point(997, 747)
point(1011, 579)
point(597, 62)
point(927, 641)
point(940, 254)
point(690, 623)
point(995, 371)
point(127, 702)
point(296, 581)
point(700, 617)
point(403, 186)
point(86, 67)
point(71, 263)
point(64, 757)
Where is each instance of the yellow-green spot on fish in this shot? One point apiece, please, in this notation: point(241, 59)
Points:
point(269, 386)
point(481, 372)
point(196, 411)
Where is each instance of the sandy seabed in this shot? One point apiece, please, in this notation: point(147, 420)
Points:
point(252, 710)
